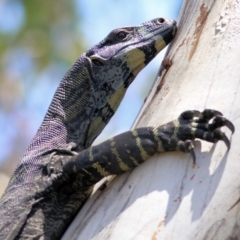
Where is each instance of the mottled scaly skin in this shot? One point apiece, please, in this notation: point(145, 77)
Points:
point(56, 174)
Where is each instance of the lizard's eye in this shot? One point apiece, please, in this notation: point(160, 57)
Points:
point(121, 35)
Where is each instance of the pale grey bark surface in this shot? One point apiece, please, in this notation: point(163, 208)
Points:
point(166, 198)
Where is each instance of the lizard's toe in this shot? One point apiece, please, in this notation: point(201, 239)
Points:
point(203, 116)
point(189, 114)
point(187, 147)
point(208, 114)
point(212, 136)
point(220, 121)
point(217, 122)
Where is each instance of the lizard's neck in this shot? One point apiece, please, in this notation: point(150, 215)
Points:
point(67, 120)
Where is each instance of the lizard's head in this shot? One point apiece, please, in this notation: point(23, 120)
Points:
point(126, 51)
point(116, 61)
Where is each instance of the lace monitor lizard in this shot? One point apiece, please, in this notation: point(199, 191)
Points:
point(56, 174)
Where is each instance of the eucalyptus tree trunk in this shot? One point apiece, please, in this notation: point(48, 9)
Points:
point(166, 197)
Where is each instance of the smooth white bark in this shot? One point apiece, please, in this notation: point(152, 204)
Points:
point(166, 198)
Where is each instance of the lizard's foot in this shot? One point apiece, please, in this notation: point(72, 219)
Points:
point(194, 124)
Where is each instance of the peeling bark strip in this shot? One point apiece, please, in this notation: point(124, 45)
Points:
point(200, 23)
point(169, 199)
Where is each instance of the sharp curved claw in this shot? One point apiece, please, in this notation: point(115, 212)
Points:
point(230, 126)
point(226, 141)
point(193, 155)
point(190, 149)
point(217, 113)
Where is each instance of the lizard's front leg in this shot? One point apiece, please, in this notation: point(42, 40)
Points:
point(125, 151)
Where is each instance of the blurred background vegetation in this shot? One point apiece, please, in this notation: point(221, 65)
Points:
point(39, 40)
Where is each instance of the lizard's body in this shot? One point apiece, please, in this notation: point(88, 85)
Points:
point(56, 174)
